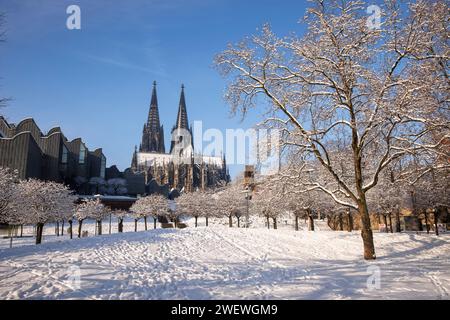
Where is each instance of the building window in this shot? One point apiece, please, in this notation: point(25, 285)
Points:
point(64, 155)
point(103, 167)
point(82, 158)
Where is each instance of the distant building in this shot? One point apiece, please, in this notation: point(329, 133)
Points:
point(135, 181)
point(49, 156)
point(181, 168)
point(249, 176)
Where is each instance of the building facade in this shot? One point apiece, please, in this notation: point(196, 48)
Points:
point(181, 168)
point(50, 156)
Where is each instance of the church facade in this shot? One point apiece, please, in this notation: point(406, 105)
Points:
point(182, 168)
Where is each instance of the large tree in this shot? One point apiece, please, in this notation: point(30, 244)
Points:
point(374, 94)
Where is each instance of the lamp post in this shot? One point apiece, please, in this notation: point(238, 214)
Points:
point(246, 191)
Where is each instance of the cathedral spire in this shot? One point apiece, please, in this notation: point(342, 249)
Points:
point(153, 133)
point(182, 118)
point(153, 114)
point(181, 133)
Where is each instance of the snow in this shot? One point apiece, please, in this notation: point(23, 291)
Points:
point(218, 262)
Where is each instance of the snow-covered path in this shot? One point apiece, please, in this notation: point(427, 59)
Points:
point(227, 263)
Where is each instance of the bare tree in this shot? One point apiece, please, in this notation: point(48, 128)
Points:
point(120, 214)
point(89, 208)
point(151, 206)
point(229, 201)
point(98, 184)
point(432, 195)
point(380, 93)
point(269, 203)
point(117, 186)
point(8, 194)
point(196, 204)
point(44, 202)
point(3, 101)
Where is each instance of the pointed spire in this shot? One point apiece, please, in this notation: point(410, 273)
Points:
point(182, 118)
point(153, 135)
point(134, 164)
point(153, 114)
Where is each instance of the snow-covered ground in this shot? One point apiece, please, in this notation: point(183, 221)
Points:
point(218, 262)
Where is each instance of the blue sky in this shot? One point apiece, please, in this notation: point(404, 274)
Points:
point(96, 82)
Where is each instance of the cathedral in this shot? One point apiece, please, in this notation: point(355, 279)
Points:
point(181, 168)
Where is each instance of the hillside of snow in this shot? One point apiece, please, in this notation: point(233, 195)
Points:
point(228, 263)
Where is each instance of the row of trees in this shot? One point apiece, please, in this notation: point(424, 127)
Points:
point(35, 202)
point(38, 203)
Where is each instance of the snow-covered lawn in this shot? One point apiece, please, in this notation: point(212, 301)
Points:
point(217, 262)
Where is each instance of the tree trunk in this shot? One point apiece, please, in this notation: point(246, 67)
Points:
point(120, 226)
point(206, 220)
point(39, 230)
point(385, 223)
point(196, 218)
point(436, 217)
point(230, 221)
point(62, 228)
point(135, 225)
point(57, 228)
point(398, 227)
point(154, 222)
point(239, 222)
point(71, 230)
point(21, 230)
point(366, 230)
point(99, 227)
point(390, 223)
point(80, 223)
point(10, 234)
point(145, 223)
point(349, 221)
point(426, 221)
point(110, 221)
point(268, 223)
point(310, 221)
point(296, 223)
point(341, 222)
point(275, 223)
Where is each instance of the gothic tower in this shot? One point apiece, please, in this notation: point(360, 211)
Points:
point(181, 130)
point(153, 133)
